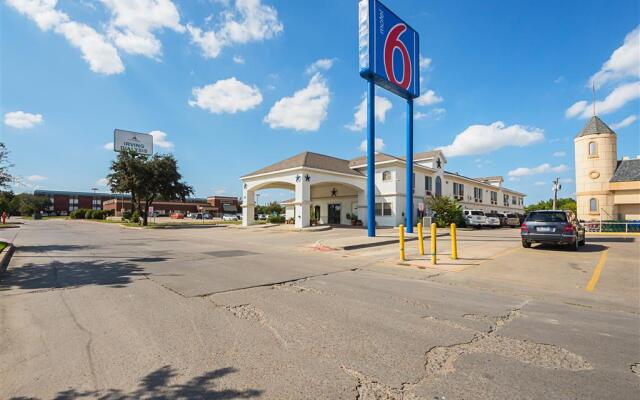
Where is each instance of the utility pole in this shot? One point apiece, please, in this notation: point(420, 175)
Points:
point(556, 187)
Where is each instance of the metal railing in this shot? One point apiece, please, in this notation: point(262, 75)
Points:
point(613, 226)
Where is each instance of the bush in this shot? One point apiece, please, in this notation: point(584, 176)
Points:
point(126, 215)
point(135, 217)
point(276, 219)
point(88, 214)
point(37, 216)
point(77, 214)
point(447, 211)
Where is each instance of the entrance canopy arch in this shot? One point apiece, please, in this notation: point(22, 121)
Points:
point(309, 175)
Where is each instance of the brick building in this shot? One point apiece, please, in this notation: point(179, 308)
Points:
point(220, 205)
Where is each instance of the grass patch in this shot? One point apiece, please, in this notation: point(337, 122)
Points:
point(3, 245)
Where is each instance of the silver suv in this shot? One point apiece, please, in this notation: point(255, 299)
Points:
point(552, 227)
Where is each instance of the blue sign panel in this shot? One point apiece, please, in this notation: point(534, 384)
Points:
point(388, 50)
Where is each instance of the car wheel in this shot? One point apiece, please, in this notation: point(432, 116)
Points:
point(526, 244)
point(583, 242)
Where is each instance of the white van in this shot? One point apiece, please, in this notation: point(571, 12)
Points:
point(475, 218)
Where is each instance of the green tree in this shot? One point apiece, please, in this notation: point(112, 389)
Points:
point(5, 201)
point(270, 209)
point(27, 204)
point(147, 179)
point(446, 209)
point(5, 176)
point(562, 204)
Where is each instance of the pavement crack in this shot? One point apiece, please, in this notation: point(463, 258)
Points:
point(249, 312)
point(369, 388)
point(635, 369)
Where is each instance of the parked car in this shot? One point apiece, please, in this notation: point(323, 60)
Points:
point(511, 220)
point(552, 227)
point(475, 218)
point(177, 215)
point(492, 220)
point(262, 217)
point(229, 217)
point(207, 216)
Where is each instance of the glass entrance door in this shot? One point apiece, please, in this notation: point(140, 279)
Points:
point(334, 213)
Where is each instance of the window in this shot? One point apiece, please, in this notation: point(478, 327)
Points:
point(428, 184)
point(383, 209)
point(458, 191)
point(547, 216)
point(494, 198)
point(438, 186)
point(505, 200)
point(386, 176)
point(513, 200)
point(593, 149)
point(477, 195)
point(97, 204)
point(593, 205)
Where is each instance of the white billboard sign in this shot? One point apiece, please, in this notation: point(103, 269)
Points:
point(141, 143)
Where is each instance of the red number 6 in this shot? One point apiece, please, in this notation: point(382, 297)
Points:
point(391, 43)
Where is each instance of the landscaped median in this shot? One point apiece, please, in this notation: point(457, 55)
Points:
point(6, 251)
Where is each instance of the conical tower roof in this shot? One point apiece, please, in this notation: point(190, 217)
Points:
point(595, 126)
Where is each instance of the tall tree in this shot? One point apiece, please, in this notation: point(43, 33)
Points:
point(5, 176)
point(147, 179)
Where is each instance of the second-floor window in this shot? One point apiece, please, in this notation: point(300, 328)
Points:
point(593, 149)
point(477, 195)
point(513, 200)
point(505, 200)
point(428, 184)
point(458, 191)
point(494, 198)
point(386, 176)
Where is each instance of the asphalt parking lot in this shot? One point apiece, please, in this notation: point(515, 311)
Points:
point(90, 310)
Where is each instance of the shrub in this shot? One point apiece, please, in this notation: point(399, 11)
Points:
point(88, 214)
point(447, 211)
point(276, 219)
point(37, 216)
point(126, 215)
point(77, 214)
point(135, 217)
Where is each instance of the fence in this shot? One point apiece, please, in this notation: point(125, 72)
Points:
point(613, 226)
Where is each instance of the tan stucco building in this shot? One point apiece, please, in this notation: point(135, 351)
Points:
point(606, 188)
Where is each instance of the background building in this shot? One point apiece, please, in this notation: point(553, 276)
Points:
point(606, 188)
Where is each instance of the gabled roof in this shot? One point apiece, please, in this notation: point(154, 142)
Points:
point(429, 154)
point(310, 160)
point(627, 171)
point(490, 178)
point(595, 126)
point(380, 157)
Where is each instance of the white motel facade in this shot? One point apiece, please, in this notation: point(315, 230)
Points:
point(328, 189)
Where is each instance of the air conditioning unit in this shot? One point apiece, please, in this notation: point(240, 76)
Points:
point(428, 193)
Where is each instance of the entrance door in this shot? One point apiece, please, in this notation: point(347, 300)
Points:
point(334, 213)
point(316, 213)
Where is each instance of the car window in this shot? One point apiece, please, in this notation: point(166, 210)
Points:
point(477, 213)
point(547, 217)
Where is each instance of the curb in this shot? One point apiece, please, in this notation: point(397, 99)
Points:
point(5, 257)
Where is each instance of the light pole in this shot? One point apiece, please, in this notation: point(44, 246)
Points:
point(556, 187)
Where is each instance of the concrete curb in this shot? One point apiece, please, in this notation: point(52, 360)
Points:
point(5, 257)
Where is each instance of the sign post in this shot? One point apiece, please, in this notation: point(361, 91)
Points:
point(389, 57)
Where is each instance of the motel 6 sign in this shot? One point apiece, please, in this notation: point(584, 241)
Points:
point(388, 50)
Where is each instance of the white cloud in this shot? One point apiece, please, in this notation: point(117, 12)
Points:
point(220, 191)
point(102, 182)
point(238, 59)
point(560, 154)
point(482, 139)
point(541, 183)
point(540, 169)
point(625, 122)
point(226, 96)
point(133, 24)
point(382, 106)
point(379, 145)
point(419, 116)
point(101, 55)
point(248, 21)
point(428, 98)
point(617, 99)
point(323, 64)
point(425, 63)
point(559, 80)
point(566, 180)
point(36, 178)
point(623, 63)
point(305, 110)
point(22, 120)
point(160, 140)
point(108, 146)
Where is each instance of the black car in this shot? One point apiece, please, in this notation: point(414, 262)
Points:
point(552, 227)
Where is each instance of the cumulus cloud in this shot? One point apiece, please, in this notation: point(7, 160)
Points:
point(623, 63)
point(482, 139)
point(36, 178)
point(248, 21)
point(160, 140)
point(541, 183)
point(305, 110)
point(22, 120)
point(134, 23)
point(540, 169)
point(617, 99)
point(96, 50)
point(102, 182)
point(428, 98)
point(378, 148)
point(238, 59)
point(323, 64)
point(560, 154)
point(226, 96)
point(382, 106)
point(625, 122)
point(425, 63)
point(108, 146)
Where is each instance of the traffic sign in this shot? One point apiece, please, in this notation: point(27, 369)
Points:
point(388, 50)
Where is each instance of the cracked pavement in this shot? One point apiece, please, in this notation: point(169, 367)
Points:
point(90, 310)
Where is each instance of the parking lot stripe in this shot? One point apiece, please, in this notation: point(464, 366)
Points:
point(596, 273)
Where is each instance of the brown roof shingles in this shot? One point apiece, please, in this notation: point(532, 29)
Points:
point(310, 160)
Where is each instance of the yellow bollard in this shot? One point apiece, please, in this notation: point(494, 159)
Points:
point(420, 239)
point(401, 227)
point(454, 243)
point(434, 231)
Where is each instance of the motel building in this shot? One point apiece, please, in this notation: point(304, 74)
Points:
point(326, 189)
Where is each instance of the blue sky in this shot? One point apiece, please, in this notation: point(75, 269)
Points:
point(232, 86)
